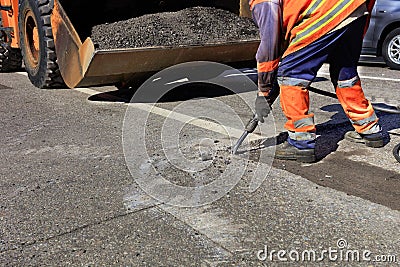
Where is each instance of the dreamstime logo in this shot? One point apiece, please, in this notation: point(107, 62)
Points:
point(179, 152)
point(340, 253)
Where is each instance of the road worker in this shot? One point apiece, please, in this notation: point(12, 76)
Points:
point(297, 38)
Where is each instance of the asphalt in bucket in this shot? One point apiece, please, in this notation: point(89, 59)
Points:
point(188, 27)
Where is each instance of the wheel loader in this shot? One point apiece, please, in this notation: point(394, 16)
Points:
point(51, 38)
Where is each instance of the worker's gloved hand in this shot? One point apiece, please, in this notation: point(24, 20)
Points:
point(262, 108)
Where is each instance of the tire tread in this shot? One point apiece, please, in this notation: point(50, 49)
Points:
point(10, 58)
point(51, 76)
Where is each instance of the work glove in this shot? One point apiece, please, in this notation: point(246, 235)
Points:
point(263, 108)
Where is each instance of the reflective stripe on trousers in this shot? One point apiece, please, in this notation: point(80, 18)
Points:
point(357, 108)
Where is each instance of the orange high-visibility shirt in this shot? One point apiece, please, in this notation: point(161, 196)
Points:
point(305, 21)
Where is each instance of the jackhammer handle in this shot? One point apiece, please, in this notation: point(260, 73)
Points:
point(252, 124)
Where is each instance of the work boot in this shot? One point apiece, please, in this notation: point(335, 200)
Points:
point(286, 151)
point(371, 140)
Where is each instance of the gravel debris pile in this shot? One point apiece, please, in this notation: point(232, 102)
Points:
point(190, 26)
point(210, 165)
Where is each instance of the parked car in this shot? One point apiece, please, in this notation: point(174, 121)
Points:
point(383, 36)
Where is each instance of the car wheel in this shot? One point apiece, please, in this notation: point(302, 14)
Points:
point(396, 152)
point(391, 49)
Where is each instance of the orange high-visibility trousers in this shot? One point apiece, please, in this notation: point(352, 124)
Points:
point(341, 49)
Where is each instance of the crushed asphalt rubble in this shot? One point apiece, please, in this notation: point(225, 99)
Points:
point(208, 162)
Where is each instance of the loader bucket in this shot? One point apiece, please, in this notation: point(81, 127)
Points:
point(81, 65)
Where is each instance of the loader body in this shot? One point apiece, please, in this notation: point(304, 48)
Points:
point(54, 38)
point(9, 19)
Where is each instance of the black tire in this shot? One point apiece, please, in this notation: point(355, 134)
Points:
point(10, 58)
point(391, 49)
point(37, 44)
point(396, 152)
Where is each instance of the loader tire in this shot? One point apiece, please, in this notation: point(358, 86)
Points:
point(37, 44)
point(10, 58)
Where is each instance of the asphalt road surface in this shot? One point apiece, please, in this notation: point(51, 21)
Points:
point(94, 177)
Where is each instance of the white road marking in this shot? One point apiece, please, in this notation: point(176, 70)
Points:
point(87, 91)
point(204, 124)
point(178, 81)
point(239, 74)
point(22, 73)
